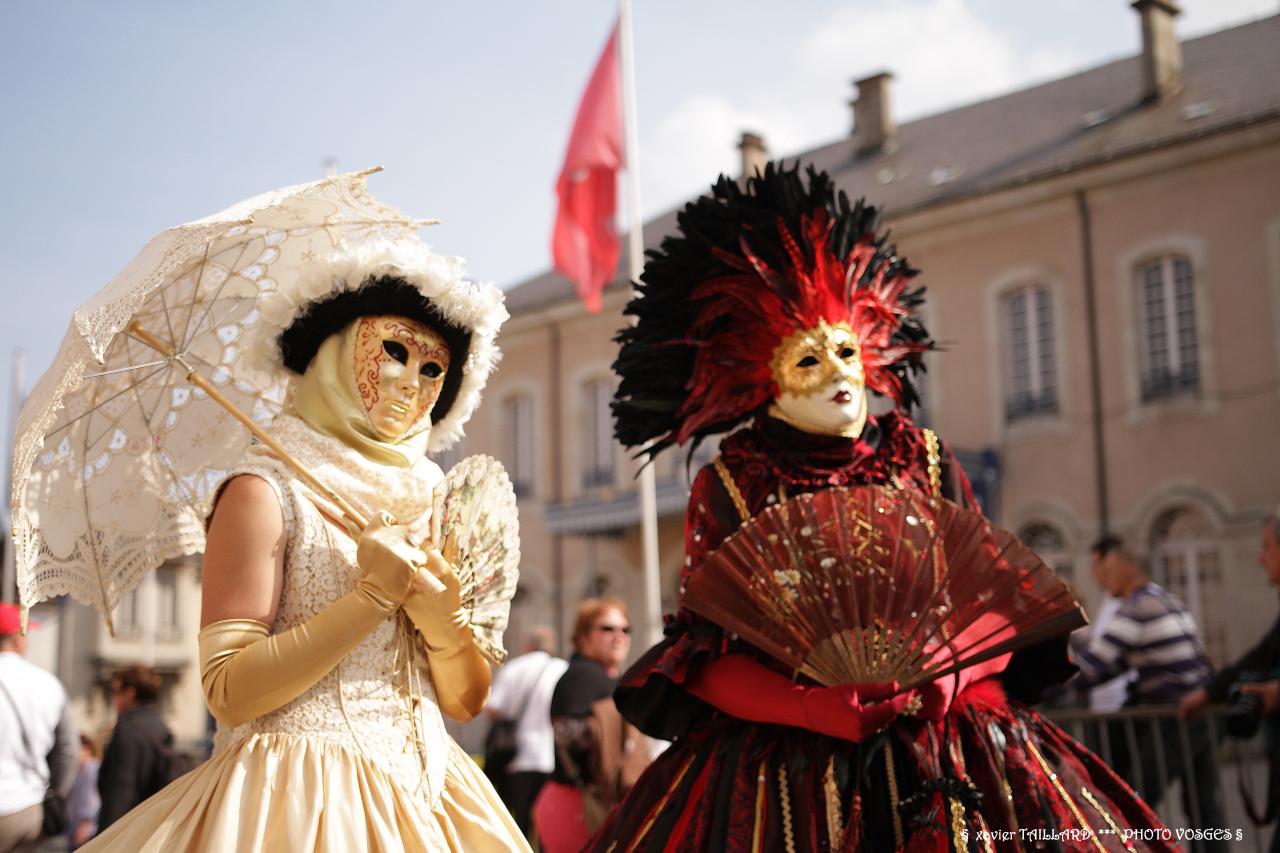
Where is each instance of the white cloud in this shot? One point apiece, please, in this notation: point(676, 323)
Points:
point(696, 141)
point(1205, 16)
point(942, 55)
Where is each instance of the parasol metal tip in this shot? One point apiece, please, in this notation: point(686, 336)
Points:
point(23, 613)
point(423, 223)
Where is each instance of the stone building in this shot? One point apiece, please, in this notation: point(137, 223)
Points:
point(1103, 260)
point(156, 624)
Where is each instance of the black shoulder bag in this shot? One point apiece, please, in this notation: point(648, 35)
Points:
point(500, 743)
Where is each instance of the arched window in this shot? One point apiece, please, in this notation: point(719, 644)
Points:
point(1186, 561)
point(597, 433)
point(1031, 377)
point(1167, 313)
point(1051, 546)
point(517, 443)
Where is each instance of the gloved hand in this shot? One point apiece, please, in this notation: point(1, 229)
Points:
point(852, 711)
point(388, 561)
point(746, 689)
point(434, 603)
point(459, 673)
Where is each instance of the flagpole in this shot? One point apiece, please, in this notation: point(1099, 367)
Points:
point(17, 395)
point(635, 262)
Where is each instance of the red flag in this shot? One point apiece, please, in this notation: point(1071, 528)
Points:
point(585, 244)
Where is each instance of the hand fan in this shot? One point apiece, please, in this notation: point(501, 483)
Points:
point(474, 525)
point(874, 584)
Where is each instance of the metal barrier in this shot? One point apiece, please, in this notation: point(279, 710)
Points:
point(1154, 750)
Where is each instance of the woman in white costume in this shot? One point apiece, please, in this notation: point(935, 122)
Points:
point(329, 658)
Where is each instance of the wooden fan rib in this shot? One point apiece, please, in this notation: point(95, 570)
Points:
point(1056, 626)
point(821, 564)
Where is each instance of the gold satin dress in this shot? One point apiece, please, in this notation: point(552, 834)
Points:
point(359, 762)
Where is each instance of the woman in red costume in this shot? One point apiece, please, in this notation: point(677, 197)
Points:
point(776, 309)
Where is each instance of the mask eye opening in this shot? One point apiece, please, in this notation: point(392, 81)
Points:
point(846, 353)
point(431, 370)
point(396, 350)
point(807, 361)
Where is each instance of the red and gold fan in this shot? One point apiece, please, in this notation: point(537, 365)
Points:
point(875, 584)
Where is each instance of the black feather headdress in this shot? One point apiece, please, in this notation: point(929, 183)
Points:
point(749, 267)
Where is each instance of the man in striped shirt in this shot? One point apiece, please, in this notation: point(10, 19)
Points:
point(1153, 635)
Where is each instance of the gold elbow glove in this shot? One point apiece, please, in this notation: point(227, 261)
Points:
point(459, 673)
point(245, 673)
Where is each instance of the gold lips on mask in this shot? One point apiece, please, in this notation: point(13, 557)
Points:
point(808, 361)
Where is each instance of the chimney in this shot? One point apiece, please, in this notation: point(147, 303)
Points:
point(754, 155)
point(1161, 53)
point(873, 125)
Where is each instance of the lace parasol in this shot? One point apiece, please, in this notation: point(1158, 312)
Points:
point(121, 442)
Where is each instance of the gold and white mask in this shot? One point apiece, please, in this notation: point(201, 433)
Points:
point(821, 384)
point(400, 366)
point(372, 385)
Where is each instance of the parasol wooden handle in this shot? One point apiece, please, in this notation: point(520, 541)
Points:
point(288, 458)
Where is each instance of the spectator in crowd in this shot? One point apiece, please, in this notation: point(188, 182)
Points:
point(37, 742)
point(589, 732)
point(1257, 673)
point(520, 710)
point(1154, 636)
point(138, 756)
point(83, 802)
point(1109, 696)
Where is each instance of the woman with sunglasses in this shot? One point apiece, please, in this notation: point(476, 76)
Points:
point(589, 733)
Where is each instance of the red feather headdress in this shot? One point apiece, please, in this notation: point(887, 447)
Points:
point(750, 268)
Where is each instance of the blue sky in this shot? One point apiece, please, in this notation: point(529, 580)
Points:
point(123, 118)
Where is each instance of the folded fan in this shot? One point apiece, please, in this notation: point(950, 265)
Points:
point(873, 584)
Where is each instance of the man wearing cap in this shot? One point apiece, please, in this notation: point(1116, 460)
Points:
point(38, 745)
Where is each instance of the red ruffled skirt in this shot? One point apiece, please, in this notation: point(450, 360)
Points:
point(994, 776)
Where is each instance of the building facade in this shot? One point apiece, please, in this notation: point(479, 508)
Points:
point(156, 625)
point(1102, 257)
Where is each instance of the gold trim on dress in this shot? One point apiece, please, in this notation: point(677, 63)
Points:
point(958, 833)
point(1088, 795)
point(757, 828)
point(788, 832)
point(653, 815)
point(1062, 792)
point(1009, 801)
point(831, 792)
point(933, 455)
point(894, 799)
point(732, 488)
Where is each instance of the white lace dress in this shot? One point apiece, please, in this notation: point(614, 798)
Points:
point(360, 762)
